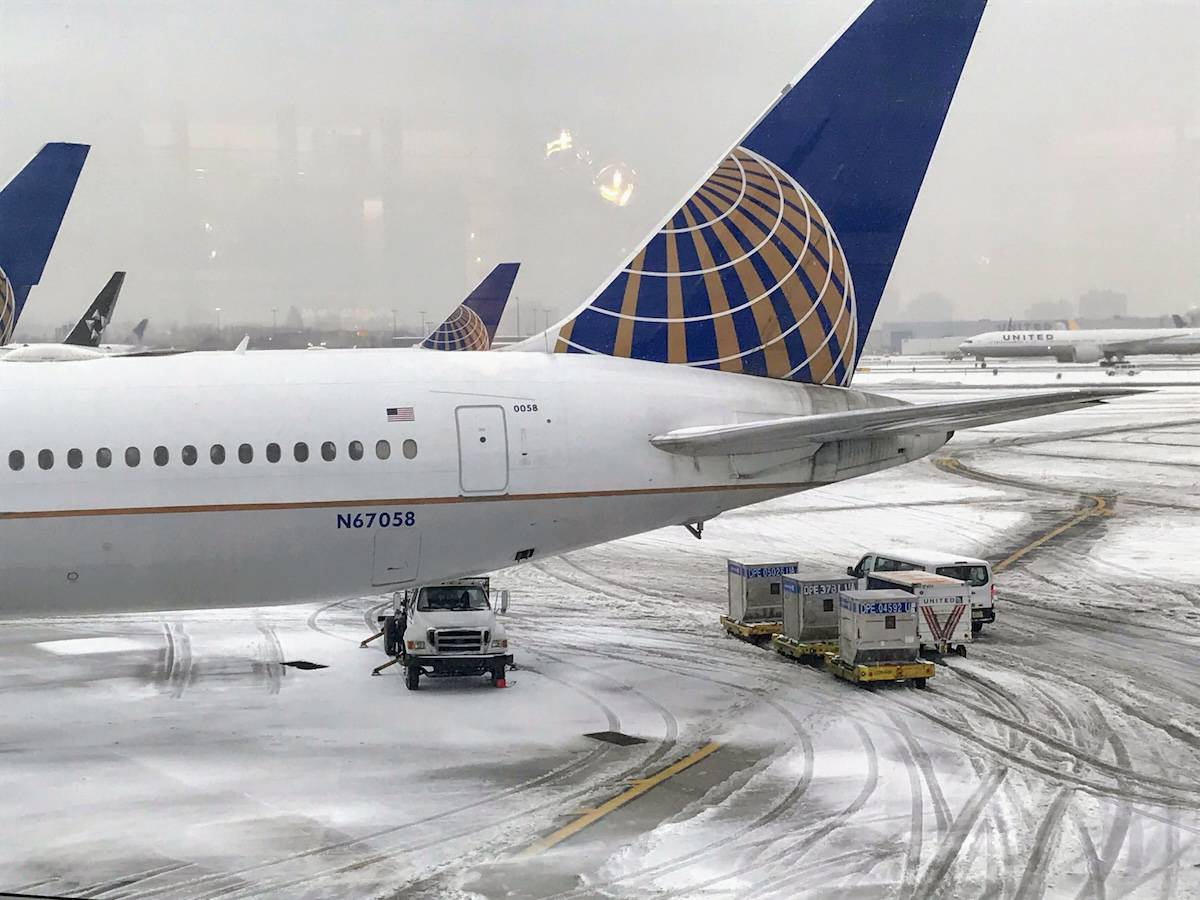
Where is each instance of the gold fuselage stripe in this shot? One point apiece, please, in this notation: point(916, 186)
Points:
point(392, 501)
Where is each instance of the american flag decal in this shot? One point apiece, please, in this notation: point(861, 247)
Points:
point(400, 414)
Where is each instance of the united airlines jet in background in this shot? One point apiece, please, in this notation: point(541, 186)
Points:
point(32, 207)
point(1103, 345)
point(710, 372)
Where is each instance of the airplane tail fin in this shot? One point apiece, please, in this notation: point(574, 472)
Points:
point(1178, 320)
point(88, 330)
point(774, 265)
point(139, 331)
point(472, 325)
point(32, 207)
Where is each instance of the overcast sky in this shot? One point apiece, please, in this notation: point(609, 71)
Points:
point(377, 157)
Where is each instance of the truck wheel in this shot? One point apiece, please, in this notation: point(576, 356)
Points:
point(498, 675)
point(976, 627)
point(412, 677)
point(920, 683)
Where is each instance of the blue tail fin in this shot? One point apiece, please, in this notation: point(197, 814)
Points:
point(776, 263)
point(32, 206)
point(472, 325)
point(88, 330)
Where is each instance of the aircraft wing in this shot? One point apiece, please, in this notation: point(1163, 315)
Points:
point(798, 431)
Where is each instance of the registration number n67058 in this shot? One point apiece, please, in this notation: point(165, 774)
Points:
point(374, 519)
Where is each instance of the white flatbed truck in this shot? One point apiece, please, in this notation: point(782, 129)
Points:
point(448, 629)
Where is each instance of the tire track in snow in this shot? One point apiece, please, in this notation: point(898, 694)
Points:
point(960, 830)
point(383, 855)
point(211, 883)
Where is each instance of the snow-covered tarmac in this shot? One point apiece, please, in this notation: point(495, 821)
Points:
point(173, 756)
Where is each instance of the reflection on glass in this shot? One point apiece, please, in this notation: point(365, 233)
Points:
point(615, 183)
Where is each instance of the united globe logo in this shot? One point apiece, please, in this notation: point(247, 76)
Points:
point(748, 276)
point(8, 309)
point(464, 330)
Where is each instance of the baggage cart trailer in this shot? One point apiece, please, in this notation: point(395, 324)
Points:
point(813, 653)
point(756, 598)
point(877, 638)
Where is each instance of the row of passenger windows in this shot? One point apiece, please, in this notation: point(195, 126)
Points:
point(189, 455)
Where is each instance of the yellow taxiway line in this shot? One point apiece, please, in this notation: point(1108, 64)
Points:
point(1099, 507)
point(636, 789)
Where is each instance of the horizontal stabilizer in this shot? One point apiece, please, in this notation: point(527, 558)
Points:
point(87, 331)
point(800, 431)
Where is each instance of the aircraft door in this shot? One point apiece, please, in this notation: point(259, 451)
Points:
point(482, 449)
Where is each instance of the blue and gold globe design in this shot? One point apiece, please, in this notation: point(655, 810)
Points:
point(464, 330)
point(747, 276)
point(8, 309)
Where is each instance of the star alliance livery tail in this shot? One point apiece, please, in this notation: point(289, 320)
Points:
point(472, 325)
point(32, 206)
point(775, 264)
point(88, 330)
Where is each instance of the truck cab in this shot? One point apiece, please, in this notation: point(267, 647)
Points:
point(449, 629)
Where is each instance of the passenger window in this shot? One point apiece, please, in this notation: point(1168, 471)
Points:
point(328, 451)
point(272, 453)
point(216, 453)
point(74, 457)
point(355, 450)
point(775, 586)
point(300, 451)
point(383, 449)
point(133, 457)
point(161, 456)
point(828, 604)
point(103, 457)
point(245, 453)
point(189, 455)
point(889, 622)
point(16, 460)
point(45, 459)
point(410, 449)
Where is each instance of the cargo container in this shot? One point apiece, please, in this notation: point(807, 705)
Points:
point(756, 590)
point(810, 606)
point(877, 638)
point(877, 626)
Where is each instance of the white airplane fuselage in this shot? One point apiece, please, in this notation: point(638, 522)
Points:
point(517, 455)
point(1083, 345)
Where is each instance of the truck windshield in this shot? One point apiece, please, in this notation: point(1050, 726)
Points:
point(456, 597)
point(975, 576)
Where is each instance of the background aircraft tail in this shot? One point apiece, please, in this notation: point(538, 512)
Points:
point(139, 331)
point(1178, 320)
point(87, 331)
point(472, 325)
point(775, 263)
point(32, 207)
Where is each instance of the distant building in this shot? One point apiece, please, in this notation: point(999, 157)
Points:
point(1050, 310)
point(1103, 305)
